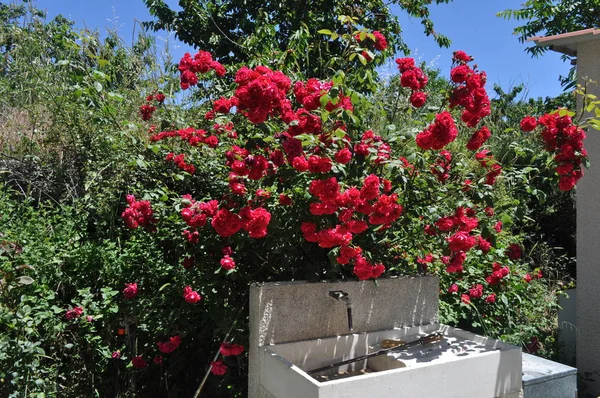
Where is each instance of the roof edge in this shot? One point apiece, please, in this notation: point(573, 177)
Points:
point(566, 43)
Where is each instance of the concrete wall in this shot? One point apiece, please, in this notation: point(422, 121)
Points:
point(567, 327)
point(588, 232)
point(282, 312)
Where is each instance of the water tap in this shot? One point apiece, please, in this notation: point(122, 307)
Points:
point(341, 295)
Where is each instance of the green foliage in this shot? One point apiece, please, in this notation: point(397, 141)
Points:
point(553, 17)
point(288, 33)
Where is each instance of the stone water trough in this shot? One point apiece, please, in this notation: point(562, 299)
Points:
point(296, 327)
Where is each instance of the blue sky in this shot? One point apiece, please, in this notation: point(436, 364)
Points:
point(472, 26)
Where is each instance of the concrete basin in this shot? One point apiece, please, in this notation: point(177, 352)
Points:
point(461, 365)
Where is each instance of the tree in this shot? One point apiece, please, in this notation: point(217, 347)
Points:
point(238, 30)
point(552, 17)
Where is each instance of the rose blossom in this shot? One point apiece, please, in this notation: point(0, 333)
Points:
point(218, 368)
point(130, 291)
point(514, 251)
point(139, 362)
point(528, 123)
point(228, 349)
point(74, 313)
point(190, 295)
point(491, 298)
point(227, 263)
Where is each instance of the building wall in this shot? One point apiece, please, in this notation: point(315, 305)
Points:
point(588, 232)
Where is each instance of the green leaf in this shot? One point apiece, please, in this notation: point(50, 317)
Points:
point(339, 78)
point(98, 86)
point(324, 31)
point(506, 219)
point(141, 163)
point(116, 96)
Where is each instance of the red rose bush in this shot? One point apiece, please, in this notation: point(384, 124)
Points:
point(282, 179)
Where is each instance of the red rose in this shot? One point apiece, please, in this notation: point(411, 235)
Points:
point(460, 73)
point(343, 156)
point(370, 189)
point(461, 241)
point(429, 230)
point(169, 346)
point(445, 223)
point(514, 251)
point(139, 213)
point(347, 253)
point(380, 41)
point(405, 64)
point(190, 295)
point(464, 298)
point(228, 349)
point(498, 226)
point(455, 264)
point(218, 368)
point(483, 244)
point(146, 111)
point(227, 263)
point(317, 164)
point(285, 200)
point(528, 123)
point(453, 288)
point(414, 79)
point(478, 138)
point(188, 262)
point(418, 99)
point(566, 183)
point(491, 299)
point(138, 362)
point(74, 313)
point(461, 56)
point(365, 270)
point(226, 223)
point(527, 278)
point(476, 291)
point(255, 221)
point(300, 164)
point(130, 291)
point(160, 97)
point(438, 134)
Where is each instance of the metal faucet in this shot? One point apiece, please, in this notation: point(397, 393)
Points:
point(341, 295)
